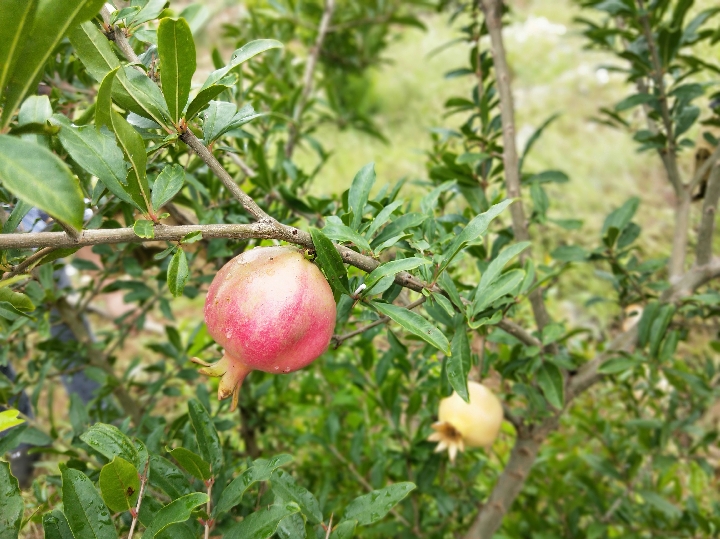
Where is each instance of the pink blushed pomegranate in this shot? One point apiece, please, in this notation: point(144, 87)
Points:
point(272, 310)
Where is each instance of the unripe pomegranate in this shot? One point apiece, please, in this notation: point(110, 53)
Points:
point(272, 310)
point(461, 424)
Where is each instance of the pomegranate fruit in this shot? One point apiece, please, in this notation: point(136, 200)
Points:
point(272, 310)
point(462, 424)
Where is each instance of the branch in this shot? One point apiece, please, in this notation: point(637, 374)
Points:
point(493, 19)
point(517, 331)
point(704, 168)
point(339, 339)
point(189, 138)
point(136, 512)
point(116, 34)
point(703, 250)
point(29, 261)
point(307, 81)
point(692, 280)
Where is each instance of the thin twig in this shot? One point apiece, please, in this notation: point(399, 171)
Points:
point(703, 250)
point(143, 482)
point(209, 522)
point(339, 339)
point(520, 333)
point(29, 261)
point(307, 80)
point(117, 35)
point(242, 165)
point(329, 527)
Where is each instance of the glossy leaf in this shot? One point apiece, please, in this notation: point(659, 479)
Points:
point(344, 530)
point(38, 177)
point(285, 486)
point(178, 273)
point(192, 463)
point(416, 324)
point(167, 185)
point(119, 485)
point(176, 49)
point(207, 436)
point(359, 193)
point(176, 511)
point(17, 16)
point(221, 117)
point(168, 477)
point(372, 507)
point(331, 263)
point(134, 149)
point(336, 230)
point(11, 503)
point(238, 57)
point(206, 95)
point(392, 268)
point(149, 11)
point(87, 515)
point(292, 527)
point(261, 470)
point(263, 523)
point(110, 442)
point(103, 102)
point(56, 526)
point(506, 284)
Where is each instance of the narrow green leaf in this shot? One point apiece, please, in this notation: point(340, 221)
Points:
point(392, 268)
point(149, 11)
point(38, 177)
point(178, 273)
point(85, 511)
point(11, 503)
point(372, 507)
point(206, 95)
point(507, 283)
point(17, 16)
point(99, 154)
point(176, 511)
point(330, 263)
point(9, 418)
point(207, 436)
point(221, 117)
point(458, 364)
point(103, 101)
point(550, 380)
point(415, 324)
point(56, 526)
point(119, 485)
point(192, 463)
point(285, 486)
point(176, 49)
point(661, 504)
point(110, 442)
point(336, 230)
point(241, 55)
point(398, 228)
point(36, 109)
point(472, 231)
point(262, 523)
point(359, 193)
point(494, 269)
point(617, 364)
point(168, 477)
point(167, 185)
point(134, 149)
point(344, 530)
point(659, 327)
point(94, 50)
point(261, 470)
point(382, 218)
point(51, 23)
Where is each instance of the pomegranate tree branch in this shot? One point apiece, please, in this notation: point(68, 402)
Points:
point(136, 512)
point(339, 339)
point(493, 19)
point(520, 333)
point(704, 168)
point(703, 250)
point(29, 262)
point(116, 34)
point(307, 80)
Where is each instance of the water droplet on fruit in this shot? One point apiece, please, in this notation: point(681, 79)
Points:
point(286, 369)
point(228, 334)
point(277, 368)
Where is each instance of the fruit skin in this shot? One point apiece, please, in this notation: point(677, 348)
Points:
point(474, 424)
point(272, 310)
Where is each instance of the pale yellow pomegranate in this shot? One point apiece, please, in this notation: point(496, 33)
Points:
point(461, 424)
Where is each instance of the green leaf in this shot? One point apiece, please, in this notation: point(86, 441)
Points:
point(167, 185)
point(635, 100)
point(168, 477)
point(207, 436)
point(38, 177)
point(17, 16)
point(176, 49)
point(191, 237)
point(398, 227)
point(506, 284)
point(94, 50)
point(392, 268)
point(11, 503)
point(87, 515)
point(150, 11)
point(9, 419)
point(36, 109)
point(99, 154)
point(336, 230)
point(192, 463)
point(261, 470)
point(17, 299)
point(471, 232)
point(119, 485)
point(458, 364)
point(221, 117)
point(621, 217)
point(176, 511)
point(550, 380)
point(148, 101)
point(374, 506)
point(103, 103)
point(285, 486)
point(344, 530)
point(110, 442)
point(134, 149)
point(144, 229)
point(330, 263)
point(178, 273)
point(51, 23)
point(292, 527)
point(415, 324)
point(206, 95)
point(262, 523)
point(359, 193)
point(661, 504)
point(494, 269)
point(570, 253)
point(10, 440)
point(382, 218)
point(56, 526)
point(617, 365)
point(659, 327)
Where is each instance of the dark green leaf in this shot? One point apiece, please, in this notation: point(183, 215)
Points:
point(535, 137)
point(176, 49)
point(570, 253)
point(103, 103)
point(359, 193)
point(110, 442)
point(221, 117)
point(634, 101)
point(192, 463)
point(207, 436)
point(17, 16)
point(56, 526)
point(167, 185)
point(119, 485)
point(262, 523)
point(176, 511)
point(331, 263)
point(374, 506)
point(86, 513)
point(178, 273)
point(344, 530)
point(661, 504)
point(392, 268)
point(550, 380)
point(134, 149)
point(39, 177)
point(617, 365)
point(415, 324)
point(285, 486)
point(168, 477)
point(17, 299)
point(11, 503)
point(507, 283)
point(458, 365)
point(292, 527)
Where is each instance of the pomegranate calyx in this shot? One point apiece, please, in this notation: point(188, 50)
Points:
point(232, 373)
